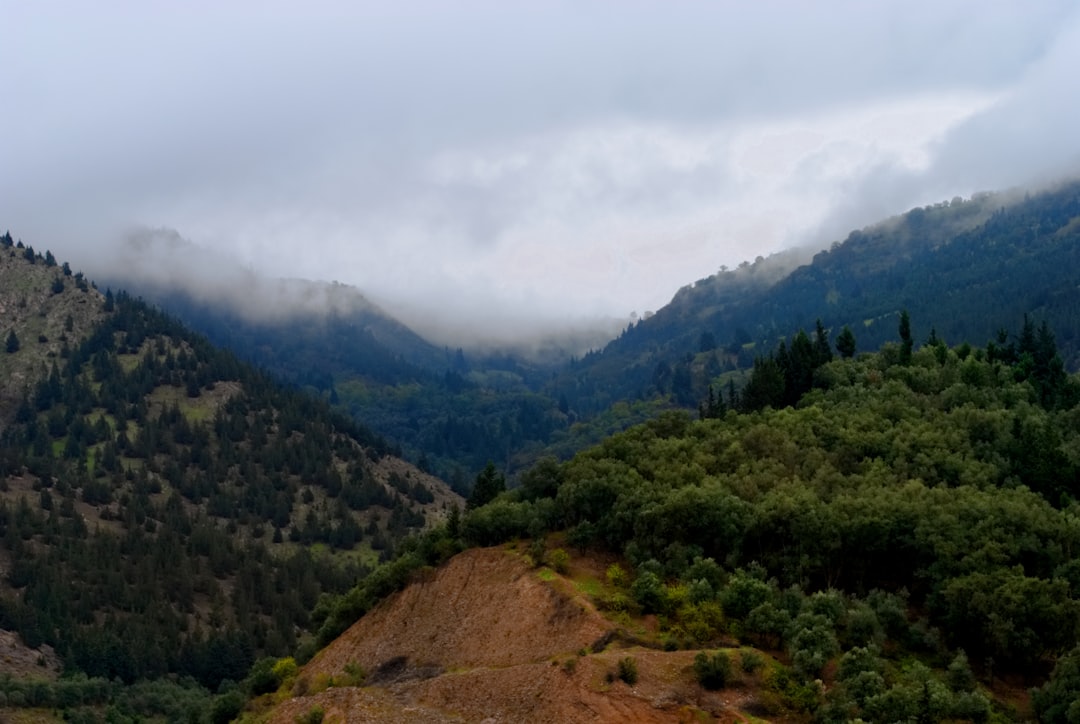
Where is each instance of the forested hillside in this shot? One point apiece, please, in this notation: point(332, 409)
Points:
point(963, 268)
point(165, 508)
point(449, 412)
point(906, 531)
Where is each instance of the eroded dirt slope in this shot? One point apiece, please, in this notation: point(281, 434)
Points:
point(487, 639)
point(485, 607)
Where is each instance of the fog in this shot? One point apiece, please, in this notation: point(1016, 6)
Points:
point(500, 171)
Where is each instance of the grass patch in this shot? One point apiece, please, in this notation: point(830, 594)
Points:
point(589, 587)
point(128, 362)
point(546, 574)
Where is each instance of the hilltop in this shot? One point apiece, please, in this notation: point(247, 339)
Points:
point(49, 307)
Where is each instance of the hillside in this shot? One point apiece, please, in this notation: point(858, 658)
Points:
point(165, 508)
point(489, 637)
point(50, 308)
point(963, 268)
point(899, 544)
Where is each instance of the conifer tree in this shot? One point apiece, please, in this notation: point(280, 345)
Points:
point(906, 342)
point(845, 343)
point(489, 483)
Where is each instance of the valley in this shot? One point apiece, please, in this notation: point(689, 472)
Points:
point(840, 490)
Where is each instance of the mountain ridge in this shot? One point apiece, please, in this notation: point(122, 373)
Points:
point(165, 508)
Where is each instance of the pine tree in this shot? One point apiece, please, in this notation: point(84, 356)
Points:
point(12, 344)
point(906, 342)
point(489, 483)
point(845, 343)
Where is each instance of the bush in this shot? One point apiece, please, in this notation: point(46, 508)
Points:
point(750, 661)
point(560, 561)
point(314, 715)
point(713, 672)
point(262, 679)
point(616, 576)
point(227, 707)
point(627, 670)
point(648, 591)
point(284, 669)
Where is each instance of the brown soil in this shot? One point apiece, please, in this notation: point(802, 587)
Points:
point(23, 662)
point(486, 639)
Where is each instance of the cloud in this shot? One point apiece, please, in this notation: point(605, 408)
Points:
point(527, 164)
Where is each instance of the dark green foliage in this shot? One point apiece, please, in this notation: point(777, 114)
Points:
point(81, 698)
point(884, 478)
point(845, 343)
point(627, 670)
point(11, 344)
point(906, 340)
point(227, 707)
point(812, 643)
point(1058, 701)
point(186, 492)
point(489, 483)
point(648, 590)
point(712, 672)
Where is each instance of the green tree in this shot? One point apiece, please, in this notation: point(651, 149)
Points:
point(906, 341)
point(12, 343)
point(845, 343)
point(1058, 701)
point(489, 483)
point(822, 351)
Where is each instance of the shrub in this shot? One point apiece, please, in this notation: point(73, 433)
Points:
point(355, 675)
point(750, 661)
point(616, 576)
point(713, 672)
point(314, 715)
point(648, 591)
point(560, 561)
point(227, 707)
point(284, 669)
point(627, 670)
point(537, 552)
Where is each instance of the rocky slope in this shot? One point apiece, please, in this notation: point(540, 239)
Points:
point(48, 308)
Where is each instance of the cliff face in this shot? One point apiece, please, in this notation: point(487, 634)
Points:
point(487, 638)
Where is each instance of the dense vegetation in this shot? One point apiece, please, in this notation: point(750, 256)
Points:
point(163, 506)
point(911, 501)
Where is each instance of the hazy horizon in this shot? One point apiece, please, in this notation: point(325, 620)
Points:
point(516, 169)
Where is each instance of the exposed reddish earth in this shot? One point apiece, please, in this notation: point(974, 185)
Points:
point(486, 639)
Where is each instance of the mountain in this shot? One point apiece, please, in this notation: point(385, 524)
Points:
point(965, 269)
point(164, 507)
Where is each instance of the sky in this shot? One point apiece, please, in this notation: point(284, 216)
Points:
point(504, 169)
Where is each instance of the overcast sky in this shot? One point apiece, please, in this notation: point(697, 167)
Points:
point(517, 163)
